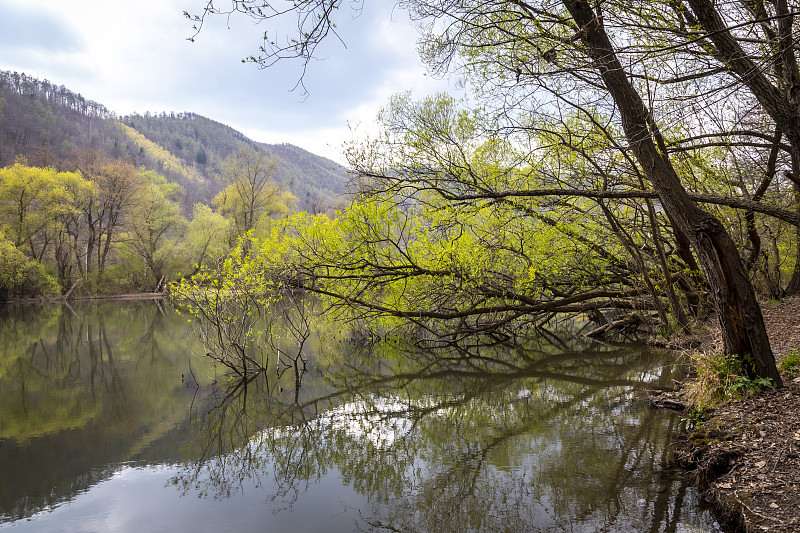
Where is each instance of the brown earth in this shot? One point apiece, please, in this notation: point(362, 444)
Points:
point(746, 455)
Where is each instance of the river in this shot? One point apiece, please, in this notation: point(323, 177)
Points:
point(111, 420)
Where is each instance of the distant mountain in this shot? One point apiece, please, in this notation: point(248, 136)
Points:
point(50, 125)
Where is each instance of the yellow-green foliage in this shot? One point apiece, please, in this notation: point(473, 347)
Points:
point(155, 227)
point(170, 163)
point(401, 261)
point(19, 274)
point(35, 206)
point(410, 255)
point(32, 198)
point(424, 246)
point(206, 236)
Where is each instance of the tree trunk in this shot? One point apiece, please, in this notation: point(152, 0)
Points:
point(793, 287)
point(779, 102)
point(695, 285)
point(743, 331)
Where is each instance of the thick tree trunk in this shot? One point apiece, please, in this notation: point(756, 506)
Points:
point(779, 102)
point(743, 331)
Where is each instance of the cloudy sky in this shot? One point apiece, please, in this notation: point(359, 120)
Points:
point(135, 57)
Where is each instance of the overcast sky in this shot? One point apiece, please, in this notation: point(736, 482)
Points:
point(134, 56)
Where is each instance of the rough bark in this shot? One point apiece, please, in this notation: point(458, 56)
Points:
point(740, 317)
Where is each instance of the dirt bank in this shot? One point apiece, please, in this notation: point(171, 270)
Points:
point(746, 457)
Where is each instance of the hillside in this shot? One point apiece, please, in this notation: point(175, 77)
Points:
point(203, 144)
point(50, 125)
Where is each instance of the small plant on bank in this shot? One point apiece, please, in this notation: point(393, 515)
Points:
point(695, 417)
point(790, 364)
point(720, 378)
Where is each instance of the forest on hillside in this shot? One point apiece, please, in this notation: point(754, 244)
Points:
point(91, 203)
point(204, 144)
point(50, 126)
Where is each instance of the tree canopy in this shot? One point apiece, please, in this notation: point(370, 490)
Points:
point(659, 140)
point(251, 196)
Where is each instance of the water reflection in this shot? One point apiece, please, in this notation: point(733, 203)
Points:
point(108, 422)
point(83, 388)
point(495, 439)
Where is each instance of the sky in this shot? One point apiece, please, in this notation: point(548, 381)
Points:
point(135, 56)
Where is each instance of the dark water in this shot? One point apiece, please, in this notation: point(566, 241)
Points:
point(110, 421)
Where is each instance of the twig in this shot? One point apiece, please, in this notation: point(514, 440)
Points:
point(196, 383)
point(778, 460)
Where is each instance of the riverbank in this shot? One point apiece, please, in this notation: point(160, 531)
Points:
point(746, 456)
point(86, 297)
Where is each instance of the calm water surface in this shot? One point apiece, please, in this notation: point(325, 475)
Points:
point(110, 421)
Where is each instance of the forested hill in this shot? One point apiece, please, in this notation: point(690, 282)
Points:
point(203, 144)
point(47, 123)
point(51, 126)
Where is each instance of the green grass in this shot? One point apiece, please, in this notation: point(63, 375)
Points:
point(722, 377)
point(790, 364)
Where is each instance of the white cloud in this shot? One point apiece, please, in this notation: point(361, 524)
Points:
point(135, 57)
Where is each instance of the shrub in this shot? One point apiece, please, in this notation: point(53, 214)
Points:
point(21, 276)
point(790, 364)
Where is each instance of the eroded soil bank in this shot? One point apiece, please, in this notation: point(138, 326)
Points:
point(746, 457)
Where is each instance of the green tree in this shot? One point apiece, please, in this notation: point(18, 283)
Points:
point(31, 199)
point(118, 189)
point(206, 237)
point(532, 64)
point(22, 276)
point(40, 207)
point(251, 196)
point(155, 226)
point(76, 194)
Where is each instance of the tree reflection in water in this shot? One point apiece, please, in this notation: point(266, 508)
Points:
point(489, 438)
point(83, 389)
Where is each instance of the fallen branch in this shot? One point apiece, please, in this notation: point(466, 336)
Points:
point(629, 320)
point(669, 404)
point(66, 294)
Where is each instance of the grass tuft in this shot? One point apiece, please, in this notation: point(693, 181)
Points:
point(722, 377)
point(790, 364)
